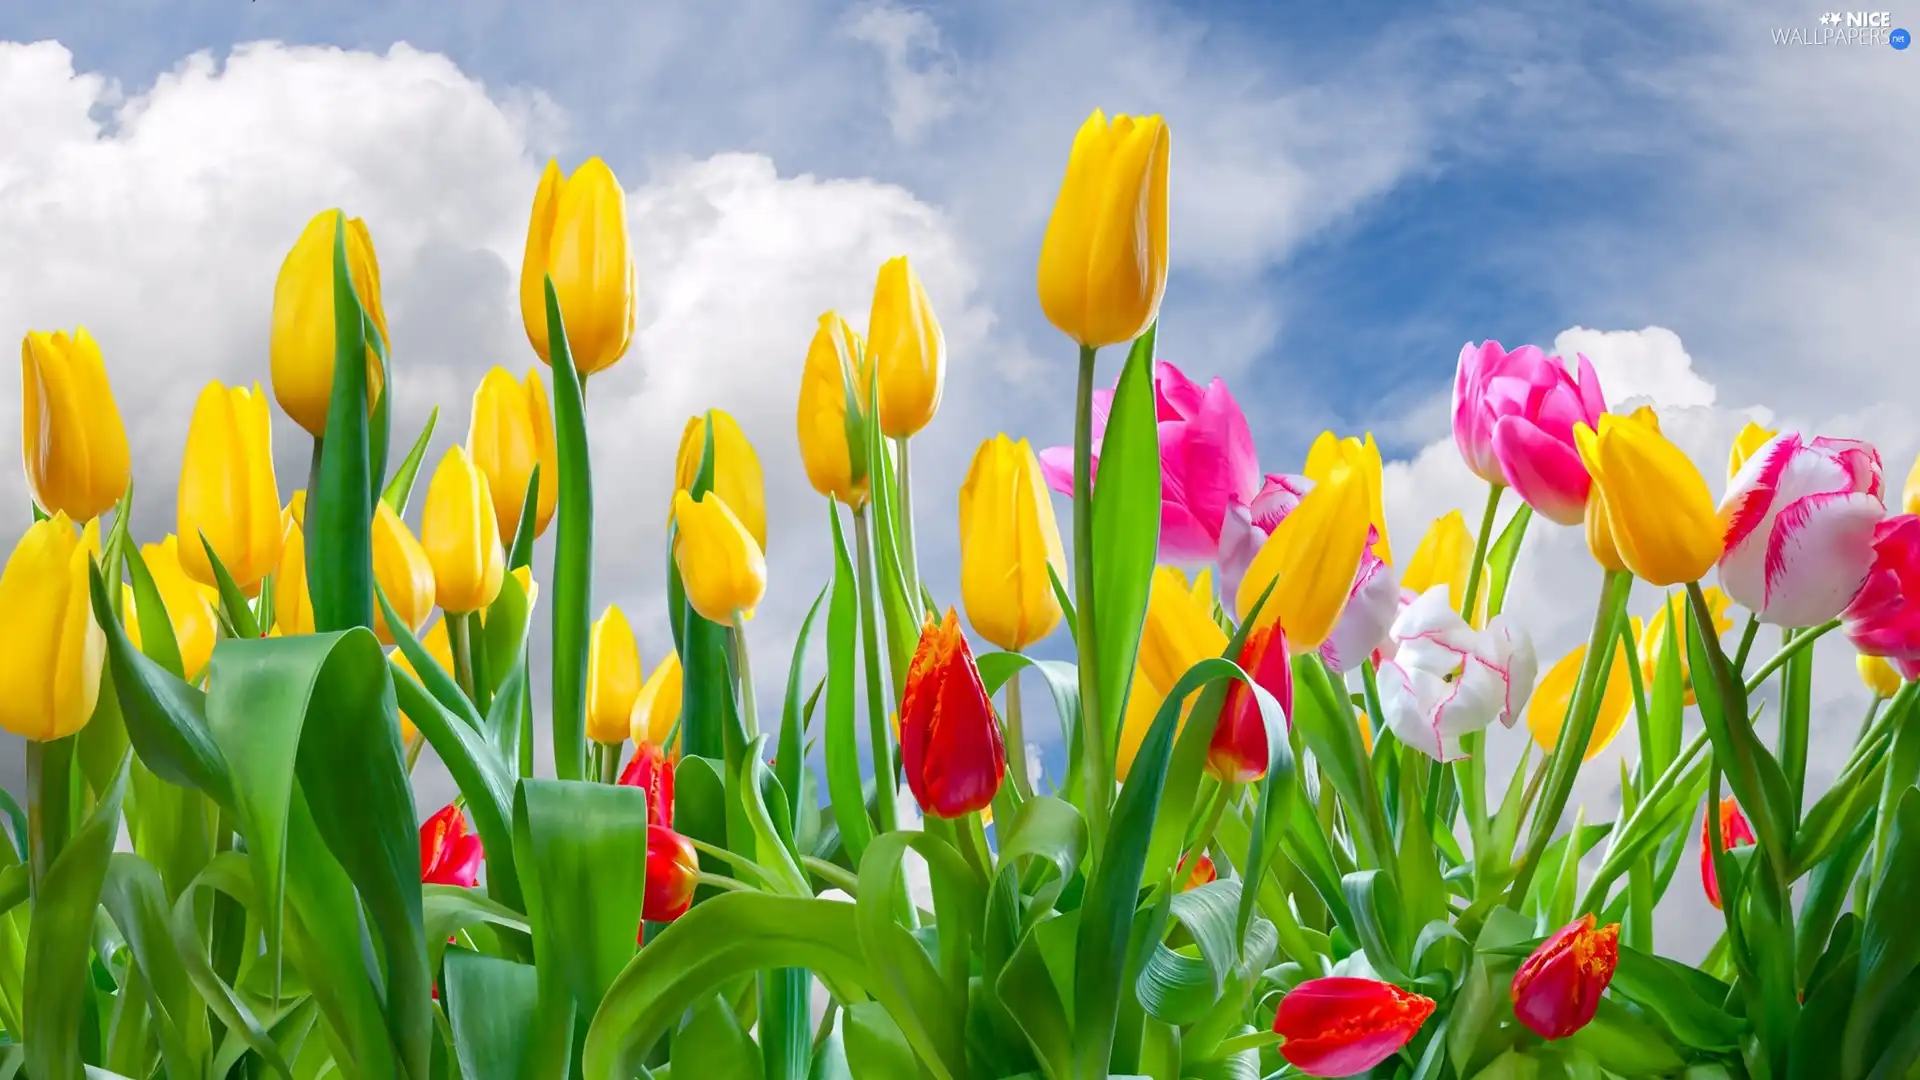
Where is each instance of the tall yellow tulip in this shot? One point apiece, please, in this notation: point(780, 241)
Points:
point(909, 351)
point(292, 601)
point(1877, 675)
point(657, 706)
point(1008, 538)
point(302, 346)
point(511, 431)
point(578, 235)
point(1910, 497)
point(461, 537)
point(1660, 515)
point(1668, 620)
point(1751, 438)
point(613, 677)
point(723, 570)
point(190, 605)
point(1329, 452)
point(72, 440)
point(1444, 557)
point(833, 412)
point(1311, 559)
point(1103, 264)
point(403, 571)
point(50, 648)
point(227, 489)
point(1547, 709)
point(736, 469)
point(1178, 633)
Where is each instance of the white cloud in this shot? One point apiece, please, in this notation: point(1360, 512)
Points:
point(1649, 363)
point(920, 75)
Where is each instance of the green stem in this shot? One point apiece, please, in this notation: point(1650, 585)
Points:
point(49, 806)
point(886, 780)
point(1470, 773)
point(525, 749)
point(1216, 808)
point(1796, 687)
point(1481, 541)
point(610, 763)
point(477, 663)
point(462, 656)
point(909, 555)
point(1802, 640)
point(1017, 741)
point(1895, 717)
point(1650, 759)
point(1746, 642)
point(413, 748)
point(743, 667)
point(1095, 759)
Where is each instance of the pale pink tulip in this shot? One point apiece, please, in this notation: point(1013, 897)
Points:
point(1799, 519)
point(1447, 679)
point(1513, 419)
point(1884, 617)
point(1371, 608)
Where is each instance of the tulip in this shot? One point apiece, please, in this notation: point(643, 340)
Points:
point(1557, 989)
point(1313, 560)
point(449, 854)
point(296, 508)
point(227, 492)
point(578, 237)
point(909, 351)
point(1751, 438)
point(440, 647)
point(509, 432)
point(403, 571)
point(1008, 539)
point(301, 350)
point(1178, 633)
point(1547, 710)
point(74, 444)
point(1342, 1026)
point(657, 706)
point(673, 873)
point(1910, 495)
point(1667, 621)
point(1238, 752)
point(1884, 619)
point(1444, 557)
point(1203, 873)
point(461, 536)
point(1514, 416)
point(613, 677)
point(723, 570)
point(1447, 679)
point(1103, 264)
point(51, 650)
point(949, 739)
point(1329, 452)
point(292, 600)
point(190, 605)
point(832, 415)
point(1799, 521)
point(651, 770)
point(736, 469)
point(1659, 512)
point(1735, 832)
point(1877, 675)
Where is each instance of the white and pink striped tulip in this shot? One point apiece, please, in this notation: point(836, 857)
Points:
point(1447, 679)
point(1799, 519)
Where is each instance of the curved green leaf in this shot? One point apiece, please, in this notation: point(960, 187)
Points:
point(165, 717)
point(58, 940)
point(400, 489)
point(844, 788)
point(137, 902)
point(926, 1002)
point(572, 553)
point(1126, 529)
point(491, 1008)
point(339, 517)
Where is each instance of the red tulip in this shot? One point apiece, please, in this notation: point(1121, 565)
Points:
point(1734, 832)
point(1343, 1026)
point(449, 854)
point(1557, 989)
point(673, 872)
point(949, 739)
point(1203, 872)
point(1238, 752)
point(652, 771)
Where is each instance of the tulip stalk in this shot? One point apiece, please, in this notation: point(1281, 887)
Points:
point(909, 555)
point(885, 777)
point(1802, 640)
point(1470, 773)
point(1095, 758)
point(462, 646)
point(1017, 740)
point(49, 805)
point(743, 670)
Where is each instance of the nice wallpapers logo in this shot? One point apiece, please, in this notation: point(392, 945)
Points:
point(1846, 28)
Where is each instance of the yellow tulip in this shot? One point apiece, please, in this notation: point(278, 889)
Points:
point(578, 235)
point(461, 537)
point(50, 648)
point(511, 431)
point(722, 568)
point(1910, 497)
point(1878, 675)
point(1103, 264)
point(1444, 557)
point(833, 412)
point(73, 442)
point(1659, 513)
point(1667, 620)
point(657, 706)
point(1751, 438)
point(302, 347)
point(1366, 730)
point(613, 677)
point(1328, 452)
point(1178, 633)
point(909, 351)
point(227, 490)
point(736, 469)
point(1547, 710)
point(292, 600)
point(1600, 533)
point(1008, 538)
point(1311, 559)
point(296, 508)
point(403, 571)
point(190, 605)
point(440, 647)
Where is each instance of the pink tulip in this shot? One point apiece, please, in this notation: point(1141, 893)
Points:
point(1800, 518)
point(1884, 618)
point(1513, 419)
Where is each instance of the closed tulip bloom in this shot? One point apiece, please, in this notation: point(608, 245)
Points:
point(509, 432)
point(461, 536)
point(1103, 263)
point(190, 605)
point(909, 351)
point(450, 854)
point(1557, 989)
point(1659, 512)
point(1343, 1026)
point(1204, 873)
point(1799, 521)
point(227, 489)
point(673, 874)
point(613, 677)
point(1444, 557)
point(1547, 711)
point(73, 442)
point(1329, 452)
point(1008, 539)
point(832, 415)
point(657, 706)
point(651, 770)
point(721, 567)
point(950, 741)
point(578, 236)
point(1237, 753)
point(1884, 619)
point(301, 350)
point(292, 600)
point(1312, 559)
point(1670, 620)
point(403, 572)
point(50, 648)
point(1514, 415)
point(736, 469)
point(1735, 832)
point(1751, 438)
point(1877, 675)
point(1910, 495)
point(1178, 633)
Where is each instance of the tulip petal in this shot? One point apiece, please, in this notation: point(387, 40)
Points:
point(1544, 471)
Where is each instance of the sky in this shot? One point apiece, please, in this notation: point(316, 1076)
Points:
point(1720, 223)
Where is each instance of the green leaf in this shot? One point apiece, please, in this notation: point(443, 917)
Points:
point(136, 900)
point(340, 514)
point(1032, 992)
point(505, 631)
point(490, 1004)
point(875, 1046)
point(156, 629)
point(1752, 772)
point(1889, 939)
point(436, 679)
point(790, 758)
point(1126, 529)
point(1180, 986)
point(400, 489)
point(484, 778)
point(233, 604)
point(520, 549)
point(844, 789)
point(1688, 1002)
point(58, 939)
point(925, 1001)
point(707, 707)
point(1502, 556)
point(714, 1044)
point(1062, 679)
point(572, 554)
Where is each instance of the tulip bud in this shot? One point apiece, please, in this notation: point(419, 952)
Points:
point(578, 236)
point(401, 568)
point(1238, 752)
point(909, 351)
point(227, 490)
point(1342, 1026)
point(1008, 539)
point(50, 648)
point(1799, 523)
point(292, 600)
point(1103, 264)
point(461, 536)
point(1329, 452)
point(1178, 633)
point(1311, 559)
point(1444, 557)
point(613, 677)
point(1735, 832)
point(1878, 675)
point(736, 469)
point(1547, 712)
point(74, 443)
point(673, 873)
point(301, 350)
point(449, 854)
point(1751, 438)
point(1557, 989)
point(651, 770)
point(509, 432)
point(1203, 872)
point(1659, 511)
point(949, 740)
point(657, 706)
point(721, 567)
point(190, 605)
point(832, 419)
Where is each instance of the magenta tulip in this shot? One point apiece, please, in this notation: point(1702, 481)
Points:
point(1884, 618)
point(1513, 419)
point(1800, 517)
